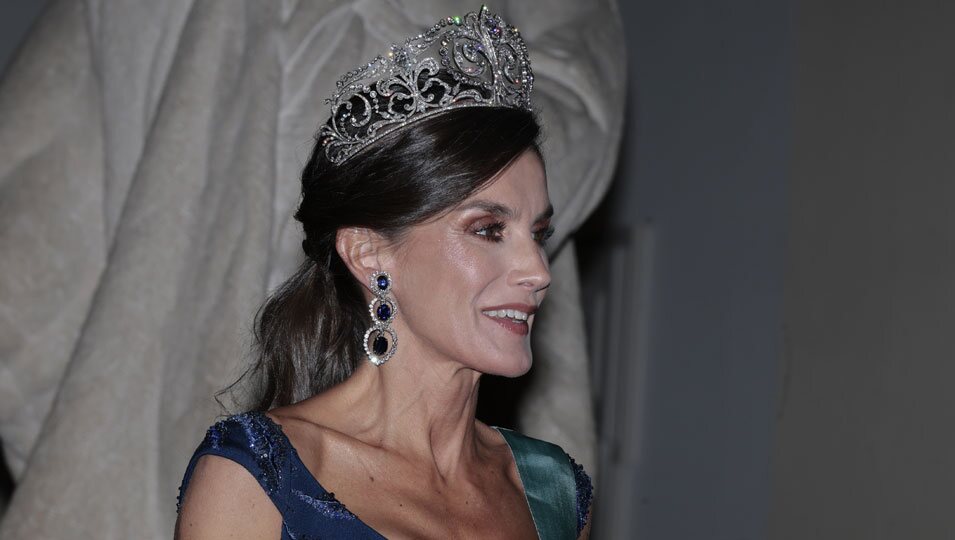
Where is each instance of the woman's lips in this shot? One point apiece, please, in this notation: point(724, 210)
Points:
point(519, 328)
point(512, 317)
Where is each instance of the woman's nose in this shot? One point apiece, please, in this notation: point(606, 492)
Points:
point(532, 269)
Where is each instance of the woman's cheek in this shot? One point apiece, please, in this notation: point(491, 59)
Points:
point(467, 259)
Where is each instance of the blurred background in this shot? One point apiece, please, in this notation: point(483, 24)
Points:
point(16, 18)
point(769, 286)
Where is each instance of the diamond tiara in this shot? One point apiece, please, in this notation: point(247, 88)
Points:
point(473, 61)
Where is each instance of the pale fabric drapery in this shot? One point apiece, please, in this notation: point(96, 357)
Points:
point(149, 161)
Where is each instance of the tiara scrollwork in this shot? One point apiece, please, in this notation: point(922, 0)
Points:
point(471, 61)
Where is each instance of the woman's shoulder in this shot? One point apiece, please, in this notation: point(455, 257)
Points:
point(259, 445)
point(250, 439)
point(234, 472)
point(245, 433)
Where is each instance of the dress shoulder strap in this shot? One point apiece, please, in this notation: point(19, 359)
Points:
point(253, 441)
point(549, 485)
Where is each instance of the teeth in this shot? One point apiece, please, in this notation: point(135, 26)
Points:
point(507, 314)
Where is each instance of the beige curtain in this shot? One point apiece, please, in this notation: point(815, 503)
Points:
point(149, 161)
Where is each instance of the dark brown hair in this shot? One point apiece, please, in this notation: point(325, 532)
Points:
point(308, 333)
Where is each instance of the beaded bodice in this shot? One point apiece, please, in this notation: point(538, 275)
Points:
point(308, 510)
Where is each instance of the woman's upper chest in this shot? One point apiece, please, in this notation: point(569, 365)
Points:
point(402, 499)
point(405, 513)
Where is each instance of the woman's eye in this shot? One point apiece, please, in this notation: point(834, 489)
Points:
point(492, 233)
point(542, 235)
point(495, 233)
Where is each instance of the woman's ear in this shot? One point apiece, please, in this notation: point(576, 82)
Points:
point(361, 250)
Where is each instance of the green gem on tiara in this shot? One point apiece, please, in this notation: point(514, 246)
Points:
point(456, 20)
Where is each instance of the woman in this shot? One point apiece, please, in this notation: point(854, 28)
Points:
point(425, 212)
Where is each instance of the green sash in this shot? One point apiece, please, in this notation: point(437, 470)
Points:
point(549, 485)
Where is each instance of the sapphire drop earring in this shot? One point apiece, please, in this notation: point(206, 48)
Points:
point(380, 340)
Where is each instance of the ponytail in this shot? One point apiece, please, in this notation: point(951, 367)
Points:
point(306, 336)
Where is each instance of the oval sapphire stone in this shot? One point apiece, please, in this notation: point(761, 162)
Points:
point(383, 282)
point(383, 312)
point(380, 345)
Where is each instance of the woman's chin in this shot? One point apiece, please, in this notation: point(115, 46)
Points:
point(511, 368)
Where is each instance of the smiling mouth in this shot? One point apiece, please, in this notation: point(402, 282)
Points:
point(513, 320)
point(513, 314)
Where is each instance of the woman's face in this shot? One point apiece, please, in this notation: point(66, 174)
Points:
point(467, 285)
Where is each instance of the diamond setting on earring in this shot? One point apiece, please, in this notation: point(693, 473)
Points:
point(380, 352)
point(381, 341)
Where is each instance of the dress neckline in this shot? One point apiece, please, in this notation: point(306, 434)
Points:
point(329, 495)
point(307, 473)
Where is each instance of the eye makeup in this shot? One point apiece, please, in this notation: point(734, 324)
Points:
point(494, 232)
point(493, 224)
point(544, 234)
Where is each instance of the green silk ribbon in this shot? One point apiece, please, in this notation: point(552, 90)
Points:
point(549, 485)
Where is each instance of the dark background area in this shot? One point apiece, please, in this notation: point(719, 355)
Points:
point(683, 269)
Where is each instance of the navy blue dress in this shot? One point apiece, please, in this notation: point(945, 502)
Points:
point(308, 510)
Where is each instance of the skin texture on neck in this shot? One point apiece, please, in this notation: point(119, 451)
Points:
point(409, 406)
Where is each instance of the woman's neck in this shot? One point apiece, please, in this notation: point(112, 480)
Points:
point(414, 405)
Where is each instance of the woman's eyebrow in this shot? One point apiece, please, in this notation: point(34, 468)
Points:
point(502, 211)
point(493, 208)
point(546, 214)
